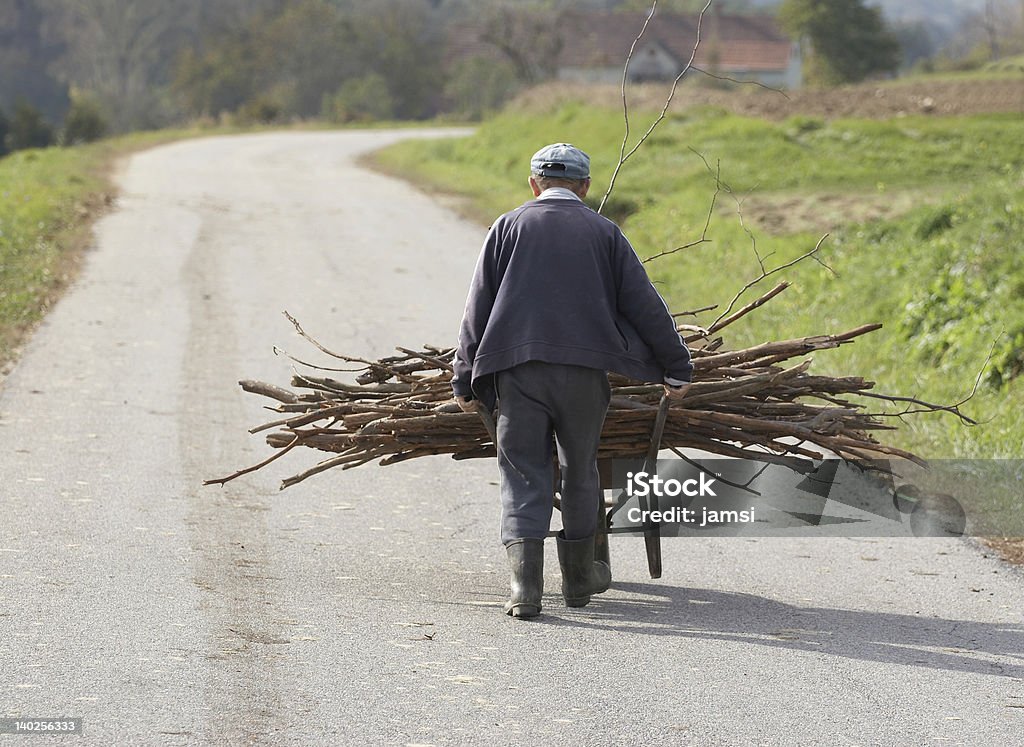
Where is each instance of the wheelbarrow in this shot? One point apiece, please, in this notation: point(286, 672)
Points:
point(651, 529)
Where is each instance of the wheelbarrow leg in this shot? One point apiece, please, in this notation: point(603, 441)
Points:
point(601, 548)
point(652, 539)
point(601, 540)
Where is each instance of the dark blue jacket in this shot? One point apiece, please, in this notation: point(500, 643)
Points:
point(557, 282)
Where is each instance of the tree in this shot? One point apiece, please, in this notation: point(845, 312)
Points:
point(528, 37)
point(85, 121)
point(848, 40)
point(477, 85)
point(120, 50)
point(28, 129)
point(4, 125)
point(314, 56)
point(399, 40)
point(360, 99)
point(26, 59)
point(286, 58)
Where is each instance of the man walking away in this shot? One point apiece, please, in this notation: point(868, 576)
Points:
point(558, 299)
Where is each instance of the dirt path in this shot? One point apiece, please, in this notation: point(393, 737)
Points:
point(872, 101)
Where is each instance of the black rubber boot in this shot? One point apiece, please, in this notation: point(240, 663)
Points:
point(581, 574)
point(526, 562)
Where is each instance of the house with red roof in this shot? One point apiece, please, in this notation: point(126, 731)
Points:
point(595, 45)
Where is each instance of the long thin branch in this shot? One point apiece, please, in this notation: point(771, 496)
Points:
point(253, 468)
point(929, 407)
point(703, 234)
point(321, 348)
point(721, 323)
point(625, 105)
point(767, 273)
point(757, 83)
point(623, 155)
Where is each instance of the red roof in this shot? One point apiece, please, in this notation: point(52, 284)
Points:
point(750, 42)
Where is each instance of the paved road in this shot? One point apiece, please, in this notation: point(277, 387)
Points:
point(364, 607)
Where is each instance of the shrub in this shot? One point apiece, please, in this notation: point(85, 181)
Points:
point(935, 222)
point(260, 110)
point(4, 126)
point(360, 99)
point(28, 129)
point(84, 122)
point(477, 86)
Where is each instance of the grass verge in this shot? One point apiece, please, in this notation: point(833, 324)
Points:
point(48, 199)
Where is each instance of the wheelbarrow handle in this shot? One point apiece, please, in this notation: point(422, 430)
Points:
point(652, 532)
point(488, 421)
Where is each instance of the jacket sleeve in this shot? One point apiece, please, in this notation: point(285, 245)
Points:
point(639, 302)
point(482, 292)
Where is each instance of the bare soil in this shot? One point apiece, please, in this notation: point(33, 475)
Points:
point(1011, 549)
point(871, 100)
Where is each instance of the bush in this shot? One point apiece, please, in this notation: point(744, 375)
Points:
point(84, 122)
point(477, 86)
point(28, 129)
point(801, 124)
point(4, 125)
point(935, 222)
point(360, 99)
point(260, 110)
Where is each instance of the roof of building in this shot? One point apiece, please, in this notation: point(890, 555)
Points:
point(727, 42)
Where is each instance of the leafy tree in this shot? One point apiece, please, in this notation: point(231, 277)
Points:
point(477, 85)
point(84, 123)
point(214, 81)
point(26, 56)
point(4, 126)
point(287, 58)
point(399, 40)
point(301, 55)
point(28, 129)
point(529, 39)
point(360, 99)
point(848, 40)
point(119, 50)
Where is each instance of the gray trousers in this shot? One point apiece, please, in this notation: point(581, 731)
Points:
point(538, 401)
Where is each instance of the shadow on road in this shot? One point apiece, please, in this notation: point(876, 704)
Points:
point(657, 610)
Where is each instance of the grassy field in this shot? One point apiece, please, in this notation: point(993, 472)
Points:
point(925, 216)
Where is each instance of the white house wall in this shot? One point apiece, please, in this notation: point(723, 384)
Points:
point(591, 74)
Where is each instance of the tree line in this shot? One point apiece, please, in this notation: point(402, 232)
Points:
point(72, 70)
point(141, 64)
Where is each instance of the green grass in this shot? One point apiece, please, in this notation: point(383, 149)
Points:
point(1005, 68)
point(926, 218)
point(44, 195)
point(1011, 68)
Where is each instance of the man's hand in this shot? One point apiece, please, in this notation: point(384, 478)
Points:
point(676, 393)
point(466, 404)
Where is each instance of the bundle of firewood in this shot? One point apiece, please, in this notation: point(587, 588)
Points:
point(758, 403)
